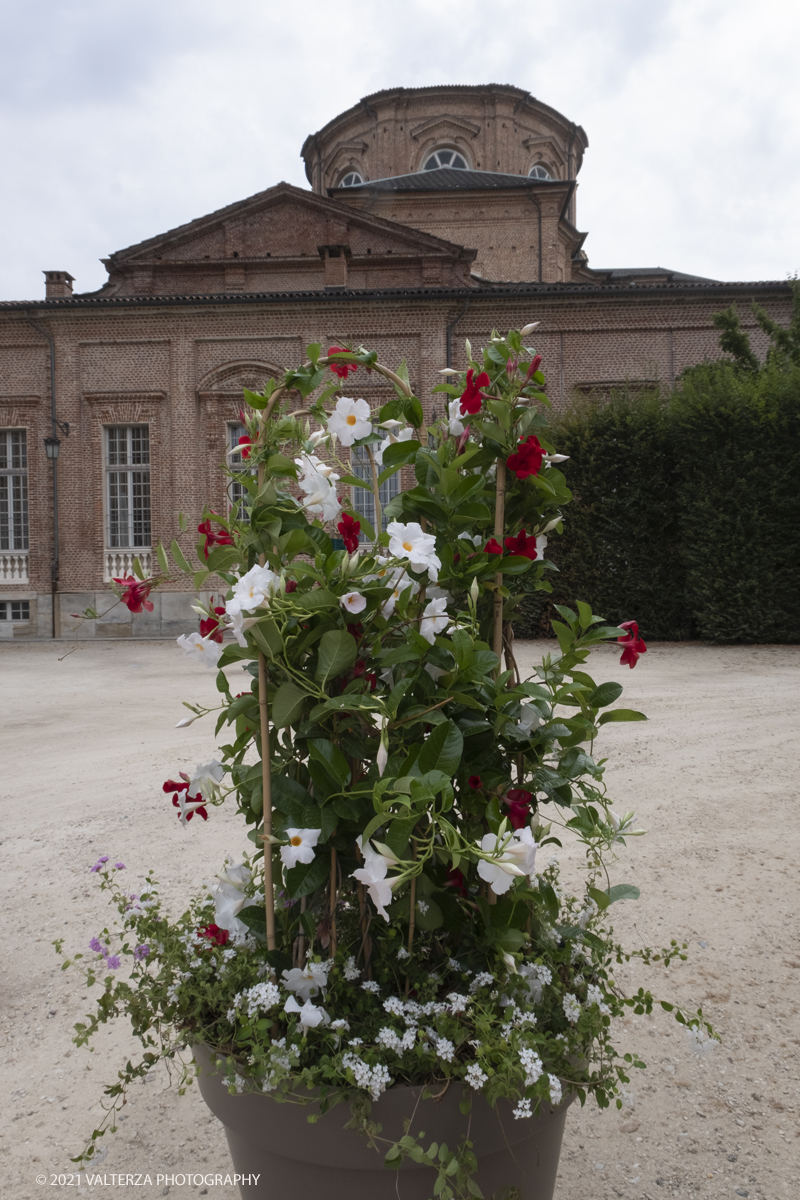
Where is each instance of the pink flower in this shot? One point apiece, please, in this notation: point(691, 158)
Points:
point(527, 459)
point(633, 646)
point(471, 396)
point(135, 593)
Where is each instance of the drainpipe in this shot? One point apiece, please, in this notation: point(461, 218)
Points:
point(539, 215)
point(54, 434)
point(449, 334)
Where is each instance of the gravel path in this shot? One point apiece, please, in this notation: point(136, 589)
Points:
point(88, 738)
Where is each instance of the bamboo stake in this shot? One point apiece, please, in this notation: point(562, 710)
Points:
point(332, 909)
point(375, 492)
point(266, 774)
point(499, 520)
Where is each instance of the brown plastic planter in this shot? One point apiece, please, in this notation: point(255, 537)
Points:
point(292, 1158)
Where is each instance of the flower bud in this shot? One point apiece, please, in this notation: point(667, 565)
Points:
point(474, 590)
point(526, 329)
point(182, 724)
point(468, 347)
point(444, 371)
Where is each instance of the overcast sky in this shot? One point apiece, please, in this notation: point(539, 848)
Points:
point(122, 119)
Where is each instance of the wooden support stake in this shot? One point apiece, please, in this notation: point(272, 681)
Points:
point(499, 521)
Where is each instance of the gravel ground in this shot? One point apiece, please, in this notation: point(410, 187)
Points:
point(88, 739)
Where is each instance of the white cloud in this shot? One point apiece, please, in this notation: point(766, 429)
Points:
point(119, 121)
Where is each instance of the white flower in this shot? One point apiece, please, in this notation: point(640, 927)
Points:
point(204, 649)
point(434, 619)
point(301, 846)
point(350, 420)
point(586, 914)
point(699, 1041)
point(206, 780)
point(422, 907)
point(454, 422)
point(252, 590)
point(373, 876)
point(310, 1015)
point(622, 825)
point(353, 602)
point(532, 1064)
point(402, 583)
point(529, 719)
point(499, 870)
point(229, 899)
point(405, 435)
point(374, 1080)
point(321, 498)
point(475, 1077)
point(526, 329)
point(318, 438)
point(555, 458)
point(537, 978)
point(310, 466)
point(595, 996)
point(408, 541)
point(351, 971)
point(369, 985)
point(528, 863)
point(555, 1089)
point(306, 981)
point(482, 979)
point(448, 371)
point(572, 1008)
point(258, 998)
point(522, 1110)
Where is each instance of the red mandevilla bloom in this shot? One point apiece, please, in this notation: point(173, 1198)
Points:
point(519, 804)
point(219, 537)
point(216, 935)
point(455, 879)
point(471, 396)
point(522, 544)
point(493, 547)
point(245, 441)
point(291, 586)
point(534, 367)
point(633, 646)
point(135, 593)
point(356, 629)
point(475, 782)
point(349, 529)
point(527, 459)
point(210, 626)
point(341, 370)
point(172, 786)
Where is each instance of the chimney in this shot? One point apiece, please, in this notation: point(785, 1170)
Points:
point(58, 283)
point(335, 259)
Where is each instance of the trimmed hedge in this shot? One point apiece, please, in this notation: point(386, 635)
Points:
point(686, 516)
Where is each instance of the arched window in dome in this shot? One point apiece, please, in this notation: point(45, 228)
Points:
point(539, 171)
point(445, 158)
point(351, 179)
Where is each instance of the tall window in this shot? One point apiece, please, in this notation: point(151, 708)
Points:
point(236, 490)
point(13, 489)
point(128, 486)
point(364, 501)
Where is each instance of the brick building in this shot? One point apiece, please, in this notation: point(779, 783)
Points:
point(434, 214)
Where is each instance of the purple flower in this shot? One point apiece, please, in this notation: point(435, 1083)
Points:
point(120, 866)
point(141, 952)
point(98, 947)
point(112, 962)
point(99, 863)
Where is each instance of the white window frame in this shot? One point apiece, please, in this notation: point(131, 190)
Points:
point(351, 179)
point(364, 501)
point(7, 611)
point(540, 166)
point(127, 498)
point(14, 512)
point(235, 491)
point(434, 154)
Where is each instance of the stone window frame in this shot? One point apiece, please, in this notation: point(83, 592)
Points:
point(10, 473)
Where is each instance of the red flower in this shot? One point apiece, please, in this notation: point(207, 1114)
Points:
point(349, 529)
point(522, 544)
point(342, 370)
point(493, 547)
point(475, 781)
point(213, 932)
point(219, 538)
point(356, 629)
point(527, 459)
point(210, 626)
point(471, 396)
point(456, 879)
point(245, 441)
point(633, 646)
point(135, 593)
point(172, 786)
point(291, 586)
point(534, 367)
point(519, 803)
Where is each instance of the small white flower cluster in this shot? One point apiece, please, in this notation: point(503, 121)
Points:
point(595, 996)
point(587, 914)
point(282, 1061)
point(532, 1064)
point(422, 907)
point(457, 1003)
point(537, 977)
point(518, 1017)
point(572, 1007)
point(369, 985)
point(443, 1047)
point(523, 1110)
point(259, 998)
point(475, 1077)
point(392, 1041)
point(699, 1040)
point(395, 1006)
point(374, 1080)
point(351, 971)
point(555, 1089)
point(482, 979)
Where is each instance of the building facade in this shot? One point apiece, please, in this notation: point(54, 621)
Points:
point(433, 214)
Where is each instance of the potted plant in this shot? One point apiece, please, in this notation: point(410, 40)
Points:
point(393, 976)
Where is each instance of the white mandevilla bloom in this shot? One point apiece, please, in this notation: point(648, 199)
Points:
point(205, 650)
point(454, 422)
point(229, 899)
point(409, 541)
point(353, 602)
point(555, 458)
point(321, 499)
point(350, 420)
point(529, 719)
point(306, 981)
point(206, 780)
point(239, 624)
point(434, 619)
point(310, 1014)
point(499, 869)
point(622, 825)
point(373, 876)
point(301, 846)
point(253, 590)
point(403, 583)
point(310, 466)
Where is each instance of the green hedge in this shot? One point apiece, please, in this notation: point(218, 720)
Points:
point(686, 514)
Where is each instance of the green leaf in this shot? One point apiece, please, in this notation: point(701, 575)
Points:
point(313, 352)
point(287, 705)
point(180, 558)
point(605, 694)
point(137, 568)
point(305, 878)
point(337, 653)
point(441, 751)
point(621, 714)
point(267, 638)
point(163, 561)
point(331, 758)
point(601, 899)
point(623, 891)
point(584, 614)
point(315, 599)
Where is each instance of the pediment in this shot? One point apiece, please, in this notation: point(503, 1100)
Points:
point(548, 147)
point(445, 126)
point(282, 222)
